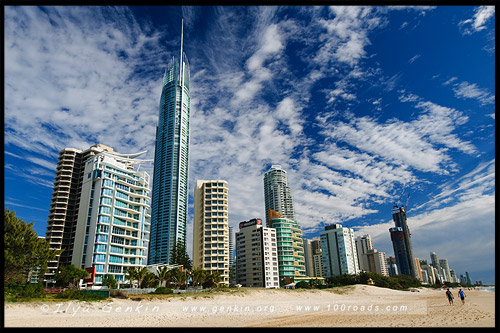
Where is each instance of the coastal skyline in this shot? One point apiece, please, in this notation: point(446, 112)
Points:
point(355, 103)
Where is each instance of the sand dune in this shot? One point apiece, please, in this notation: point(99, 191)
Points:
point(354, 306)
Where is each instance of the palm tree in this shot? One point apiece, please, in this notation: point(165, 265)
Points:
point(198, 276)
point(178, 276)
point(137, 274)
point(212, 278)
point(132, 274)
point(149, 280)
point(141, 275)
point(164, 275)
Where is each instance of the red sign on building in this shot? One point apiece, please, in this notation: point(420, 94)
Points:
point(90, 279)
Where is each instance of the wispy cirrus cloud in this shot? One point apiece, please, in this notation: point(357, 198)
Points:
point(471, 90)
point(482, 15)
point(466, 90)
point(71, 81)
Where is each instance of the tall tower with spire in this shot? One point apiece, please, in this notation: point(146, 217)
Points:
point(170, 176)
point(401, 242)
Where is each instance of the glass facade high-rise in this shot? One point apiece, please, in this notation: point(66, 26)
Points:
point(64, 207)
point(170, 176)
point(112, 232)
point(277, 194)
point(401, 242)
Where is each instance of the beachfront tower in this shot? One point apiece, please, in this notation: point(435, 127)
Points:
point(112, 232)
point(256, 255)
point(210, 228)
point(400, 236)
point(338, 248)
point(277, 194)
point(65, 203)
point(170, 175)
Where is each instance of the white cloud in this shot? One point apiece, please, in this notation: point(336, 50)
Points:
point(471, 90)
point(482, 15)
point(412, 59)
point(347, 34)
point(69, 80)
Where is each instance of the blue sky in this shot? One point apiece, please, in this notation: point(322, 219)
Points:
point(354, 102)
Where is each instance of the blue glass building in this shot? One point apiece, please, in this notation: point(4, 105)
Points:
point(170, 177)
point(401, 242)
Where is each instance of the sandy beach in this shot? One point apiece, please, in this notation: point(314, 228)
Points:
point(352, 306)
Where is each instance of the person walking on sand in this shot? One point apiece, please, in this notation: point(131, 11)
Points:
point(462, 296)
point(450, 296)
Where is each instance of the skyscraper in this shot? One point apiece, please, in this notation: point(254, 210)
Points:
point(338, 250)
point(170, 176)
point(63, 213)
point(363, 245)
point(291, 262)
point(277, 194)
point(280, 214)
point(311, 247)
point(256, 255)
point(401, 242)
point(112, 232)
point(446, 268)
point(434, 260)
point(210, 227)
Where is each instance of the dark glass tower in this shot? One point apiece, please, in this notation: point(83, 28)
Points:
point(170, 182)
point(401, 242)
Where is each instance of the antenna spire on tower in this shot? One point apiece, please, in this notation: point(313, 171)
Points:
point(181, 67)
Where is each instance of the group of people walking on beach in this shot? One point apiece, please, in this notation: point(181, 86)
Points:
point(461, 294)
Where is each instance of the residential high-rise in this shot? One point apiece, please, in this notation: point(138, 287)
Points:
point(454, 277)
point(376, 261)
point(308, 257)
point(311, 247)
point(339, 251)
point(64, 206)
point(468, 278)
point(431, 277)
point(277, 194)
point(112, 232)
point(318, 263)
point(443, 263)
point(400, 236)
point(211, 228)
point(418, 269)
point(363, 245)
point(291, 260)
point(280, 214)
point(256, 255)
point(170, 176)
point(434, 260)
point(369, 259)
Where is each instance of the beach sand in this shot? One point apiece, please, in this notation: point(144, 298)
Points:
point(351, 306)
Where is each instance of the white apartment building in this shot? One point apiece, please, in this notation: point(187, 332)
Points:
point(256, 255)
point(211, 228)
point(318, 263)
point(113, 227)
point(339, 251)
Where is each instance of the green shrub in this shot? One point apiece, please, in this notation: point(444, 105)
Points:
point(23, 290)
point(79, 295)
point(32, 290)
point(303, 284)
point(163, 290)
